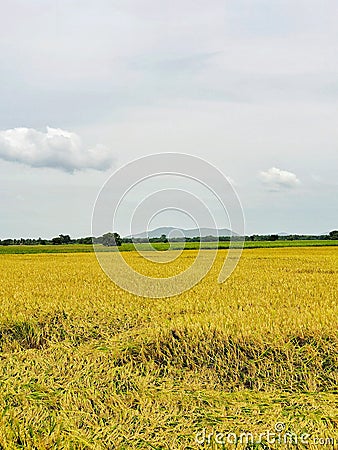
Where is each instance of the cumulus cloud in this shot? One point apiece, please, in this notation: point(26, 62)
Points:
point(54, 148)
point(276, 178)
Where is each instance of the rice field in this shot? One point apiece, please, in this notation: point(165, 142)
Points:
point(86, 365)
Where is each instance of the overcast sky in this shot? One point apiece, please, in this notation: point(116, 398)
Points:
point(251, 86)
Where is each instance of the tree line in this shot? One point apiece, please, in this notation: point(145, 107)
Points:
point(114, 239)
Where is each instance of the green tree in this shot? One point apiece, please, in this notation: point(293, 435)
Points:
point(333, 234)
point(61, 239)
point(7, 242)
point(111, 239)
point(85, 240)
point(65, 238)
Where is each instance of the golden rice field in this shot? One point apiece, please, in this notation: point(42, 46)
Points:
point(86, 365)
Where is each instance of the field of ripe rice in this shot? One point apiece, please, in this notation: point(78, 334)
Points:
point(86, 365)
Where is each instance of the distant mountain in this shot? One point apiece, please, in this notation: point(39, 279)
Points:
point(305, 234)
point(178, 232)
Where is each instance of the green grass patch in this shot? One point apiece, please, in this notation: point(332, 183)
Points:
point(159, 246)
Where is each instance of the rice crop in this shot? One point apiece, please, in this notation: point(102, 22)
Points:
point(86, 365)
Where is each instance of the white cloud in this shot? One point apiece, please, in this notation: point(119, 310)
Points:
point(276, 178)
point(54, 148)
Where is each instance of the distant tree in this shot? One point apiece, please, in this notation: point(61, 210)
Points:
point(118, 239)
point(85, 240)
point(162, 238)
point(192, 239)
point(7, 242)
point(273, 237)
point(65, 238)
point(127, 240)
point(224, 238)
point(111, 239)
point(333, 234)
point(61, 239)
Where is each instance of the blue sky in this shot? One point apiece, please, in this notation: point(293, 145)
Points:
point(85, 87)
